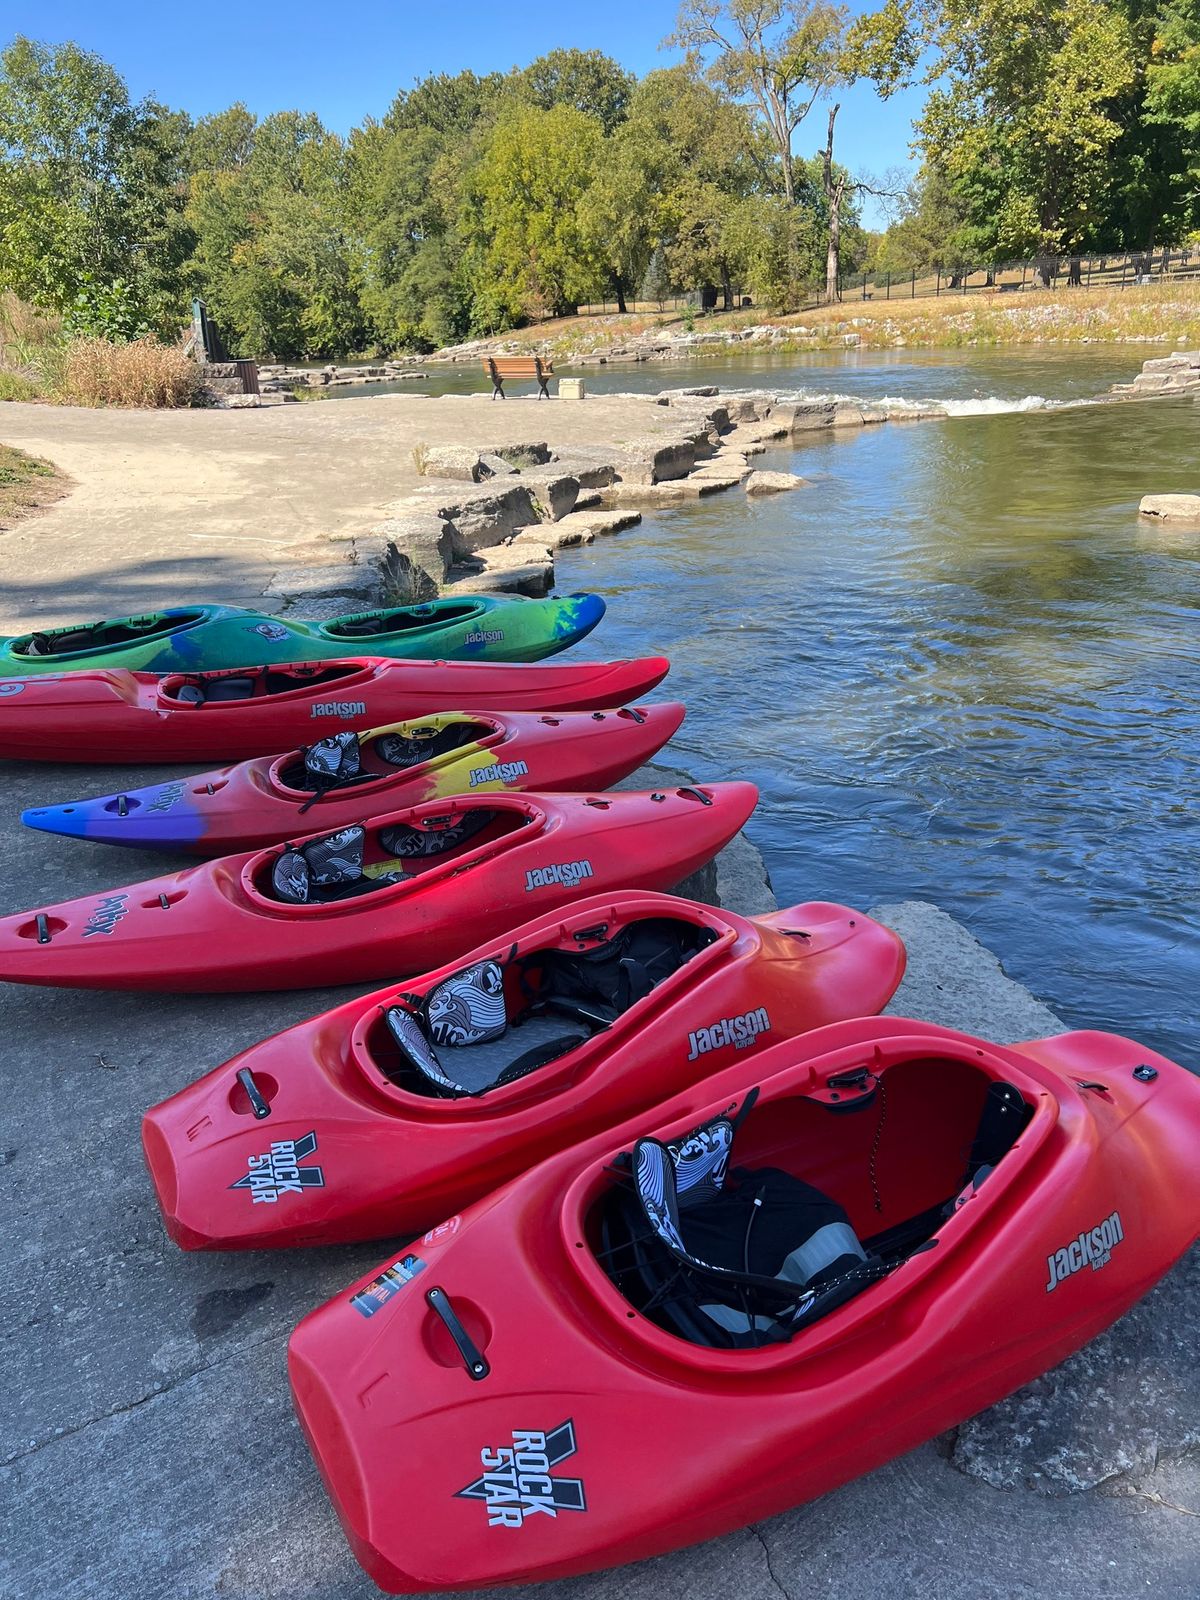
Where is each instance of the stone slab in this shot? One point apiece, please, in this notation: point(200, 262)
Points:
point(1171, 507)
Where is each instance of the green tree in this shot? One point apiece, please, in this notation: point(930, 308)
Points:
point(414, 242)
point(777, 56)
point(699, 156)
point(274, 257)
point(530, 191)
point(91, 184)
point(1025, 119)
point(1156, 160)
point(586, 79)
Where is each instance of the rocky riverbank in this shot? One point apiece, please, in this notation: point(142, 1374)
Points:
point(492, 517)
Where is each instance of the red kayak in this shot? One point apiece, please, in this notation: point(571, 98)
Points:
point(116, 715)
point(735, 1303)
point(404, 892)
point(347, 775)
point(385, 1115)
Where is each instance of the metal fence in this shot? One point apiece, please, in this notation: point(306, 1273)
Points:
point(1108, 270)
point(1103, 270)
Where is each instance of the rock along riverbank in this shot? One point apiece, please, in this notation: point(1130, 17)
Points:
point(490, 514)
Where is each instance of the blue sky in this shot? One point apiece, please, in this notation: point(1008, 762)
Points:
point(347, 62)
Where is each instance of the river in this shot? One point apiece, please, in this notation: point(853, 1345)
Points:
point(958, 666)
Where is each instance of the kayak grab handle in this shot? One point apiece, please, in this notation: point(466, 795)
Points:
point(473, 1358)
point(43, 928)
point(696, 794)
point(259, 1103)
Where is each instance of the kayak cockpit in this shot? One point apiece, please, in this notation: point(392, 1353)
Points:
point(229, 686)
point(499, 1020)
point(396, 620)
point(362, 860)
point(350, 758)
point(87, 638)
point(743, 1231)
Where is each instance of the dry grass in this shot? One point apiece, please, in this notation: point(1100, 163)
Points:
point(26, 483)
point(141, 374)
point(1167, 312)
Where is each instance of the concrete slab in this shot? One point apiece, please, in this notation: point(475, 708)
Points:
point(177, 506)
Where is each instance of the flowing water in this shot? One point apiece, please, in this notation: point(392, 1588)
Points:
point(958, 666)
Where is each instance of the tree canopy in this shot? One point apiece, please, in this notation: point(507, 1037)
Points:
point(480, 202)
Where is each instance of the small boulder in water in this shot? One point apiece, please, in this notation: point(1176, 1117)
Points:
point(1171, 507)
point(773, 482)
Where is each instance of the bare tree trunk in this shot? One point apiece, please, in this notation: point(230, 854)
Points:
point(726, 288)
point(835, 191)
point(619, 286)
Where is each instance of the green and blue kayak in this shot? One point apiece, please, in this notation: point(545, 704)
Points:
point(195, 638)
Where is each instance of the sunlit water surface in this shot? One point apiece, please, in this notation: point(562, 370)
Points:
point(959, 667)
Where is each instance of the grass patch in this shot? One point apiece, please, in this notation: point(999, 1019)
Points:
point(16, 386)
point(306, 392)
point(26, 482)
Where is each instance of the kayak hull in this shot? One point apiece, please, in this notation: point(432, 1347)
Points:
point(112, 714)
point(648, 1442)
point(214, 926)
point(192, 638)
point(253, 804)
point(394, 1162)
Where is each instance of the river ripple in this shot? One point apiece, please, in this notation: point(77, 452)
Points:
point(960, 669)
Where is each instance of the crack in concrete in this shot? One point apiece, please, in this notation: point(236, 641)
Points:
point(144, 1399)
point(766, 1550)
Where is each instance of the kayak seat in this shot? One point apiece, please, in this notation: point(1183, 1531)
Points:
point(424, 743)
point(477, 1048)
point(729, 1264)
point(492, 1023)
point(214, 692)
point(409, 843)
point(222, 689)
point(331, 762)
point(326, 869)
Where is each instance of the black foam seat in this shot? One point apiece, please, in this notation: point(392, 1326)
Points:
point(466, 1020)
point(220, 689)
point(215, 691)
point(424, 742)
point(329, 868)
point(439, 835)
point(735, 1264)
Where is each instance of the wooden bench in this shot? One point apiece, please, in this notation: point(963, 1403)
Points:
point(500, 367)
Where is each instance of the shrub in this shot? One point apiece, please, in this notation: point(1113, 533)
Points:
point(142, 373)
point(15, 386)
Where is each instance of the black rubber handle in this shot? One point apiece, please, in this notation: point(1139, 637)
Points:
point(473, 1358)
point(260, 1105)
